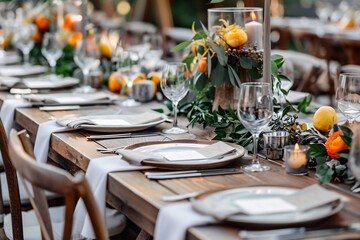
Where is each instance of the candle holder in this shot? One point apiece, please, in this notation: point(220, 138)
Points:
point(274, 143)
point(296, 159)
point(251, 19)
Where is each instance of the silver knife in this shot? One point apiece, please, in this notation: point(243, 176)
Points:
point(190, 171)
point(197, 174)
point(298, 233)
point(122, 135)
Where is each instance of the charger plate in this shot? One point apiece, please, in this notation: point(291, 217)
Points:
point(266, 221)
point(186, 145)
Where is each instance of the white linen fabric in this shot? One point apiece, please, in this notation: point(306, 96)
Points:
point(42, 140)
point(96, 176)
point(173, 221)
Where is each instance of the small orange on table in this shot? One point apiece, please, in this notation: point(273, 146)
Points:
point(116, 82)
point(324, 118)
point(42, 22)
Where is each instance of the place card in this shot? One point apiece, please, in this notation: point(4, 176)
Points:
point(302, 200)
point(211, 151)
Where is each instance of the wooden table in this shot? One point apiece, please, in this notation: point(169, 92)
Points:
point(139, 198)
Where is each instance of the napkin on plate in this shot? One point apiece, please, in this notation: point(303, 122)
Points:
point(66, 98)
point(111, 120)
point(305, 199)
point(212, 151)
point(42, 82)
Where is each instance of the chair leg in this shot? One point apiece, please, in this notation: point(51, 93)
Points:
point(143, 236)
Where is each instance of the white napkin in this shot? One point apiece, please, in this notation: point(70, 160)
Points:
point(8, 111)
point(173, 221)
point(21, 70)
point(96, 175)
point(42, 140)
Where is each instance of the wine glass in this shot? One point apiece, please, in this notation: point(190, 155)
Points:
point(129, 69)
point(354, 157)
point(51, 49)
point(87, 57)
point(23, 40)
point(255, 112)
point(348, 95)
point(152, 57)
point(175, 85)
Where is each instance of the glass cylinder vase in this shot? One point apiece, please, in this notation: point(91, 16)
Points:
point(239, 32)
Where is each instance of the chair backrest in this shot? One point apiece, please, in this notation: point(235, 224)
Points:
point(13, 186)
point(46, 177)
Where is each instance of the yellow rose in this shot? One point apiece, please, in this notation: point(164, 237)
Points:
point(236, 37)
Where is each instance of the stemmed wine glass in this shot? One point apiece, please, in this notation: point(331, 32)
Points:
point(348, 95)
point(52, 50)
point(175, 85)
point(129, 69)
point(23, 39)
point(87, 57)
point(255, 111)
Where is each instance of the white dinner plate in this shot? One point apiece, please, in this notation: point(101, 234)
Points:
point(109, 127)
point(21, 70)
point(185, 145)
point(269, 220)
point(43, 82)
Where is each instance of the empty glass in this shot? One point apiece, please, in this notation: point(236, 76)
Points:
point(255, 112)
point(51, 49)
point(129, 69)
point(23, 40)
point(175, 85)
point(87, 57)
point(348, 95)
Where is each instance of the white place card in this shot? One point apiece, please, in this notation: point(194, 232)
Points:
point(211, 151)
point(265, 206)
point(110, 122)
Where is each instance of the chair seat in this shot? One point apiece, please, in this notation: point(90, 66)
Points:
point(23, 196)
point(115, 223)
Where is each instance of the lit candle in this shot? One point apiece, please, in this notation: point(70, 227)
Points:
point(267, 43)
point(296, 159)
point(254, 32)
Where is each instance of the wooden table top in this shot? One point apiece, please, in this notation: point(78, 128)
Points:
point(140, 199)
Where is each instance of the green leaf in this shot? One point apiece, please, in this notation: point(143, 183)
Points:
point(246, 63)
point(200, 35)
point(216, 1)
point(238, 82)
point(278, 60)
point(347, 131)
point(274, 68)
point(324, 173)
point(220, 53)
point(231, 76)
point(209, 63)
point(201, 82)
point(204, 29)
point(159, 110)
point(217, 76)
point(188, 60)
point(317, 150)
point(180, 46)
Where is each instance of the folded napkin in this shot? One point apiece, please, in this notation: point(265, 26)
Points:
point(10, 59)
point(66, 98)
point(212, 151)
point(96, 175)
point(43, 136)
point(173, 221)
point(21, 70)
point(111, 120)
point(302, 200)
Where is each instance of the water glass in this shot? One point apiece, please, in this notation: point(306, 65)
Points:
point(255, 111)
point(51, 49)
point(175, 85)
point(348, 95)
point(23, 40)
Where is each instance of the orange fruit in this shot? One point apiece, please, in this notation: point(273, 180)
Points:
point(68, 22)
point(116, 82)
point(37, 36)
point(324, 119)
point(155, 77)
point(42, 22)
point(6, 44)
point(74, 38)
point(202, 65)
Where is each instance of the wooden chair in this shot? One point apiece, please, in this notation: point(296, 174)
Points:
point(46, 177)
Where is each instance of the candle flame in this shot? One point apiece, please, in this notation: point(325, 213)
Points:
point(296, 148)
point(253, 16)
